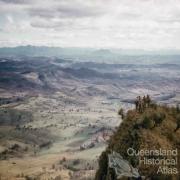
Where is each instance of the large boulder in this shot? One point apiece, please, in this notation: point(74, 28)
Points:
point(121, 166)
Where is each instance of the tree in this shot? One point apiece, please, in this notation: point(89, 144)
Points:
point(121, 113)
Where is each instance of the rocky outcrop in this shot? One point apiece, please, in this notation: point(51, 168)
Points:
point(121, 166)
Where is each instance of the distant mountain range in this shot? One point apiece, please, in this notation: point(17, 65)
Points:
point(91, 54)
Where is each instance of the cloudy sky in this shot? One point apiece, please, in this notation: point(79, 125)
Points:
point(134, 24)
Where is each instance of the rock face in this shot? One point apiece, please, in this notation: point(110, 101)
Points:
point(121, 167)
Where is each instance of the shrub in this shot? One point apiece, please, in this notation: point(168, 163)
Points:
point(76, 162)
point(147, 122)
point(153, 105)
point(158, 118)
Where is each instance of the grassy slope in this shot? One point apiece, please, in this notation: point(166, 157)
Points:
point(132, 133)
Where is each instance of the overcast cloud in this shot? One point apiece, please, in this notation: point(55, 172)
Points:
point(135, 24)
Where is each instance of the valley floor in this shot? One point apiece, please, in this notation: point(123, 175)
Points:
point(77, 131)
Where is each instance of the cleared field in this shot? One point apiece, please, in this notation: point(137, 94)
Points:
point(64, 128)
